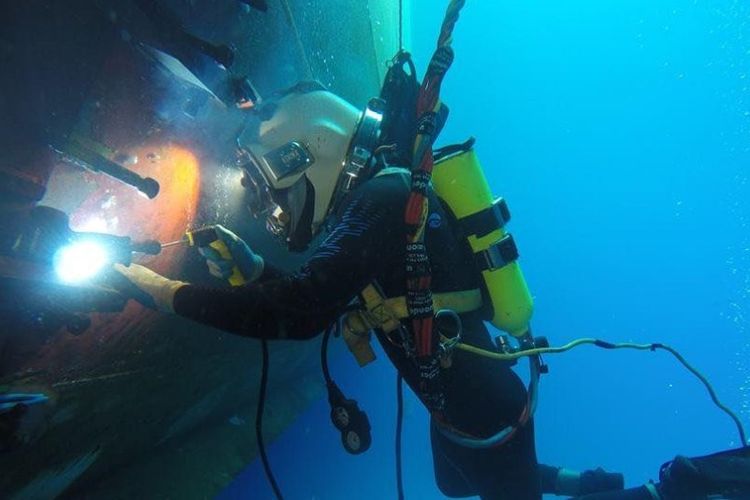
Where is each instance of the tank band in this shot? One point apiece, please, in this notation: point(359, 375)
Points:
point(498, 255)
point(485, 221)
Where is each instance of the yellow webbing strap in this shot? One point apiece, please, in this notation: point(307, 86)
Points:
point(387, 314)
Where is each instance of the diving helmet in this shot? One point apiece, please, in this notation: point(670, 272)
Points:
point(301, 152)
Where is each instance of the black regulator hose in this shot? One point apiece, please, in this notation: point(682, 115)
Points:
point(259, 422)
point(399, 429)
point(324, 354)
point(346, 415)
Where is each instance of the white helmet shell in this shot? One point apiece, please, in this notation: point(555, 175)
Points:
point(303, 134)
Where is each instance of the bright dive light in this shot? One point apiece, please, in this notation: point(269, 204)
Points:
point(79, 261)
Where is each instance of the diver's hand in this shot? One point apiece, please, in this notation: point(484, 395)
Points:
point(157, 288)
point(249, 263)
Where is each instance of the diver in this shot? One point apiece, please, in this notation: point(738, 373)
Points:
point(310, 165)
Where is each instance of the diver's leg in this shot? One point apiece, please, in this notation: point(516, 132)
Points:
point(483, 396)
point(449, 475)
point(721, 475)
point(511, 471)
point(507, 472)
point(560, 481)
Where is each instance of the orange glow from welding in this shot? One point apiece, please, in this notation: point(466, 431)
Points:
point(178, 173)
point(124, 211)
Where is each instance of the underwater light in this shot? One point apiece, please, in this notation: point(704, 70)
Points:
point(80, 261)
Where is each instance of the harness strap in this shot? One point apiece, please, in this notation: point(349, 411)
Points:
point(387, 314)
point(418, 271)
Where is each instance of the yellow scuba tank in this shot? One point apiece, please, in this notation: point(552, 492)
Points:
point(459, 180)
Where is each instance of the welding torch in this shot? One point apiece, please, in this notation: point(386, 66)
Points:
point(209, 237)
point(122, 247)
point(79, 256)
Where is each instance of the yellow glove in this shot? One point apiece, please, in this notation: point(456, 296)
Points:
point(159, 288)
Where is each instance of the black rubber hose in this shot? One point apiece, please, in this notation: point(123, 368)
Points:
point(259, 422)
point(399, 428)
point(324, 354)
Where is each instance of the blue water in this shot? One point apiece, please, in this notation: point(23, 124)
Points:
point(619, 133)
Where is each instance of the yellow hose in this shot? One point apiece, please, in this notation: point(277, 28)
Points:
point(606, 345)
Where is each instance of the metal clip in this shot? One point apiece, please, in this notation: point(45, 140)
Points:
point(449, 326)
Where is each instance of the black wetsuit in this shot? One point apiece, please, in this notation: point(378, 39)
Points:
point(366, 245)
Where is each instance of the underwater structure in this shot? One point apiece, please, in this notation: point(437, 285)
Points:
point(118, 120)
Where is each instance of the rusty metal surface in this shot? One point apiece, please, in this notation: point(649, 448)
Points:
point(140, 397)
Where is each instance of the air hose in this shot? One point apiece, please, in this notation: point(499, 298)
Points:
point(259, 423)
point(399, 432)
point(513, 356)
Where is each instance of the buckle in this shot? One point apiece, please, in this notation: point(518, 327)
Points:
point(498, 255)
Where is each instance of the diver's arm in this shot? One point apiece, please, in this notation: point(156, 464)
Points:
point(287, 308)
point(271, 272)
point(299, 306)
